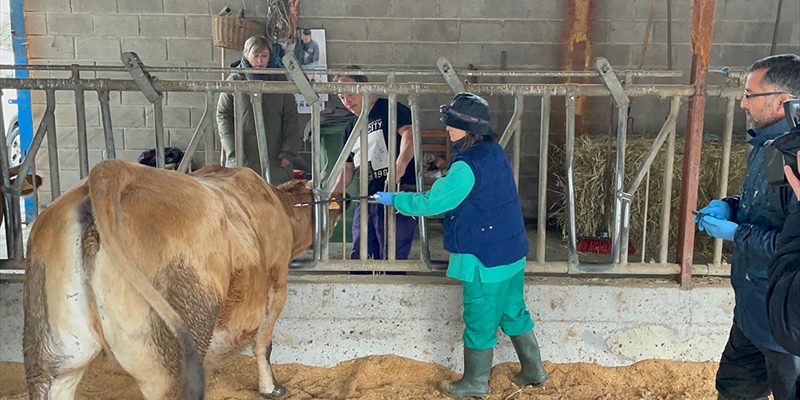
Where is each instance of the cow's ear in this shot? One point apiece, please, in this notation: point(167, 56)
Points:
point(308, 185)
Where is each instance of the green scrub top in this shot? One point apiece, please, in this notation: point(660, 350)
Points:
point(446, 194)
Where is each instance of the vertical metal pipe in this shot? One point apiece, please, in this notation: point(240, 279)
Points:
point(391, 233)
point(570, 160)
point(4, 161)
point(14, 219)
point(363, 180)
point(35, 192)
point(617, 247)
point(669, 168)
point(775, 29)
point(321, 211)
point(518, 101)
point(644, 219)
point(83, 146)
point(544, 143)
point(52, 143)
point(669, 34)
point(261, 136)
point(700, 35)
point(158, 121)
point(10, 196)
point(108, 129)
point(419, 170)
point(209, 135)
point(625, 230)
point(727, 138)
point(238, 131)
point(344, 221)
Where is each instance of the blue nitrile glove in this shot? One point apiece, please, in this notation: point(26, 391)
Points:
point(384, 198)
point(717, 209)
point(718, 228)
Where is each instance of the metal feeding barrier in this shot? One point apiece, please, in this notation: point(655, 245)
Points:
point(608, 84)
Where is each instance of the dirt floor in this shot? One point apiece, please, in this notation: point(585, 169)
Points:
point(393, 377)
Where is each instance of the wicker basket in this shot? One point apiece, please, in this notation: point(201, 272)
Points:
point(232, 32)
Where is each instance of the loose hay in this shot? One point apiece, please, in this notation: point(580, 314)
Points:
point(389, 377)
point(592, 184)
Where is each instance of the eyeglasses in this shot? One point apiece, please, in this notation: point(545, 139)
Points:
point(749, 96)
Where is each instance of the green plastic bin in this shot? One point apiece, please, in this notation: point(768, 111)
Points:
point(331, 138)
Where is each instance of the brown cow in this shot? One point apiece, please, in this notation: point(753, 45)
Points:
point(27, 187)
point(208, 251)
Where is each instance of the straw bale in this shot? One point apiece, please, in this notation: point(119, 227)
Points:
point(594, 188)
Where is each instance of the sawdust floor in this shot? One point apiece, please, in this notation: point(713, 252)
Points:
point(393, 377)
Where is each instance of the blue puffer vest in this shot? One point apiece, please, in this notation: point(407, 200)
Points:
point(488, 223)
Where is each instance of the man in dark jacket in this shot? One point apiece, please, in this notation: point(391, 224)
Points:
point(753, 364)
point(783, 295)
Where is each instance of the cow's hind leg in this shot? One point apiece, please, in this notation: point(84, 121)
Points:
point(60, 337)
point(140, 339)
point(262, 348)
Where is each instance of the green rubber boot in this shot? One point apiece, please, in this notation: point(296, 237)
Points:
point(527, 348)
point(475, 382)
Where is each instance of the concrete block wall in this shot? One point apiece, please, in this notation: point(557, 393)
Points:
point(389, 34)
point(328, 320)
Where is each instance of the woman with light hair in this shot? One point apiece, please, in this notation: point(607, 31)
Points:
point(284, 139)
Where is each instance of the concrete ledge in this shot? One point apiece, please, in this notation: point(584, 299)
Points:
point(614, 322)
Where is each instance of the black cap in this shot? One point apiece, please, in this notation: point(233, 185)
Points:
point(468, 112)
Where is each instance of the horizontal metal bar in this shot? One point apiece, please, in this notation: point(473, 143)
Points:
point(486, 73)
point(531, 267)
point(592, 90)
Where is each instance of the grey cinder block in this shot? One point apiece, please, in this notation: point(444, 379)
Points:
point(140, 7)
point(189, 49)
point(51, 47)
point(98, 48)
point(94, 6)
point(47, 5)
point(163, 26)
point(151, 49)
point(69, 24)
point(115, 25)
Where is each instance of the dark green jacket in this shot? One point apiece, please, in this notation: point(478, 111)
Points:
point(282, 129)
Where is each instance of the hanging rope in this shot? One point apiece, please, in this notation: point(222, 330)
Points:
point(278, 25)
point(293, 16)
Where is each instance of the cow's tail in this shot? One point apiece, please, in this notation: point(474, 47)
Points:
point(106, 182)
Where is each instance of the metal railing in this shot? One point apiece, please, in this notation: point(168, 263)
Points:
point(609, 85)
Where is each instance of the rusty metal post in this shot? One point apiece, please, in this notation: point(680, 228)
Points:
point(579, 48)
point(702, 26)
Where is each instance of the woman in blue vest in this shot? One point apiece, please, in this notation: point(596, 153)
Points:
point(485, 235)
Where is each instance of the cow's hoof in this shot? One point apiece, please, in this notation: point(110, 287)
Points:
point(279, 392)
